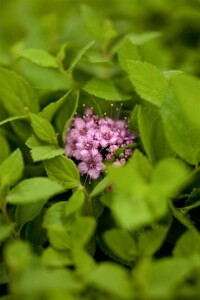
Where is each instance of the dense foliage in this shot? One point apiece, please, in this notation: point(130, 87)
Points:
point(128, 230)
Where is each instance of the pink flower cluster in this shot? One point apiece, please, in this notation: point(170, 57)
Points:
point(92, 139)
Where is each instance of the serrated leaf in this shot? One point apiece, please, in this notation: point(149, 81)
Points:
point(45, 152)
point(63, 170)
point(12, 119)
point(43, 129)
point(17, 95)
point(105, 89)
point(121, 244)
point(148, 81)
point(152, 135)
point(127, 52)
point(11, 169)
point(39, 151)
point(80, 55)
point(187, 92)
point(183, 137)
point(75, 202)
point(39, 57)
point(50, 110)
point(34, 190)
point(119, 286)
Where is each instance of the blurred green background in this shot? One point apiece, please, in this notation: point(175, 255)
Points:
point(47, 24)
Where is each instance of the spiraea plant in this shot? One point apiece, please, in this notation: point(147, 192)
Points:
point(99, 150)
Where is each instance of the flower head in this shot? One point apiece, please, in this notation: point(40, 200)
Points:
point(90, 136)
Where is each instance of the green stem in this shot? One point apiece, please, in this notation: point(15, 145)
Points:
point(88, 202)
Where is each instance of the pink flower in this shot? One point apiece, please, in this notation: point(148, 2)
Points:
point(92, 166)
point(106, 136)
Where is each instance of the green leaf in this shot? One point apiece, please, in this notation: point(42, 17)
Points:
point(127, 52)
point(50, 110)
point(34, 190)
point(54, 258)
point(142, 38)
point(94, 27)
point(43, 129)
point(100, 187)
point(169, 176)
point(58, 233)
point(75, 202)
point(4, 277)
point(151, 240)
point(39, 57)
point(187, 90)
point(142, 194)
point(105, 89)
point(160, 278)
point(54, 215)
point(152, 135)
point(63, 170)
point(185, 140)
point(188, 244)
point(45, 152)
point(26, 213)
point(66, 113)
point(82, 231)
point(17, 95)
point(121, 244)
point(119, 286)
point(5, 148)
point(148, 81)
point(80, 55)
point(12, 119)
point(39, 151)
point(5, 231)
point(11, 169)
